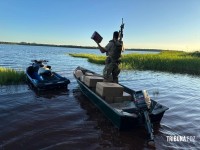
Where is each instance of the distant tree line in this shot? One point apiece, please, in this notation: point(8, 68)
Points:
point(51, 45)
point(74, 46)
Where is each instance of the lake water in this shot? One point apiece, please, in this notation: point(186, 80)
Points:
point(67, 120)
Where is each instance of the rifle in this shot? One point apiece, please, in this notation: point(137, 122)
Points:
point(121, 31)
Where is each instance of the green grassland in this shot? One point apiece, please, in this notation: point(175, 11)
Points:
point(11, 76)
point(167, 61)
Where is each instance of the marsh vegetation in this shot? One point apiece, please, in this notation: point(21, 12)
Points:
point(167, 61)
point(11, 76)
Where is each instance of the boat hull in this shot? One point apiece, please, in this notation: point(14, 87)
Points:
point(121, 120)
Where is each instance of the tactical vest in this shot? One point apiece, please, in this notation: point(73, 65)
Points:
point(115, 52)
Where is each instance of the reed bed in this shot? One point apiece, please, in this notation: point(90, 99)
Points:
point(167, 61)
point(10, 76)
point(91, 57)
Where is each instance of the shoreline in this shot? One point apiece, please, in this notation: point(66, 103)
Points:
point(76, 46)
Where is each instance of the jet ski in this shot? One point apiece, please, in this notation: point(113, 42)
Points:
point(41, 76)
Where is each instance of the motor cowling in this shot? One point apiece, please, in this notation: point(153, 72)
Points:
point(142, 99)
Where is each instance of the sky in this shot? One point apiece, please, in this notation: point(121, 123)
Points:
point(151, 24)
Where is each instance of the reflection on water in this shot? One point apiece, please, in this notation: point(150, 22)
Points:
point(67, 120)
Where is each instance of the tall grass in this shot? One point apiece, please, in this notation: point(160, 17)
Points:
point(91, 57)
point(11, 76)
point(168, 61)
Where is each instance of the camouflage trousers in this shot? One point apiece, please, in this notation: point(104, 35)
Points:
point(111, 72)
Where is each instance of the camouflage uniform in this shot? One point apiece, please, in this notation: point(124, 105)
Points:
point(112, 70)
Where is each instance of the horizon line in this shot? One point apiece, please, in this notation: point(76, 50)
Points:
point(79, 46)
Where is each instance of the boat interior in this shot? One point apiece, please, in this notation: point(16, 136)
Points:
point(123, 103)
point(126, 102)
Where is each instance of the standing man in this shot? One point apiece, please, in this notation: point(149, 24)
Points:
point(113, 51)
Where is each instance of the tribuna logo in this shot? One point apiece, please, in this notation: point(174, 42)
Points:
point(179, 138)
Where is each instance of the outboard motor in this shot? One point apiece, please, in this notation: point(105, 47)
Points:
point(143, 102)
